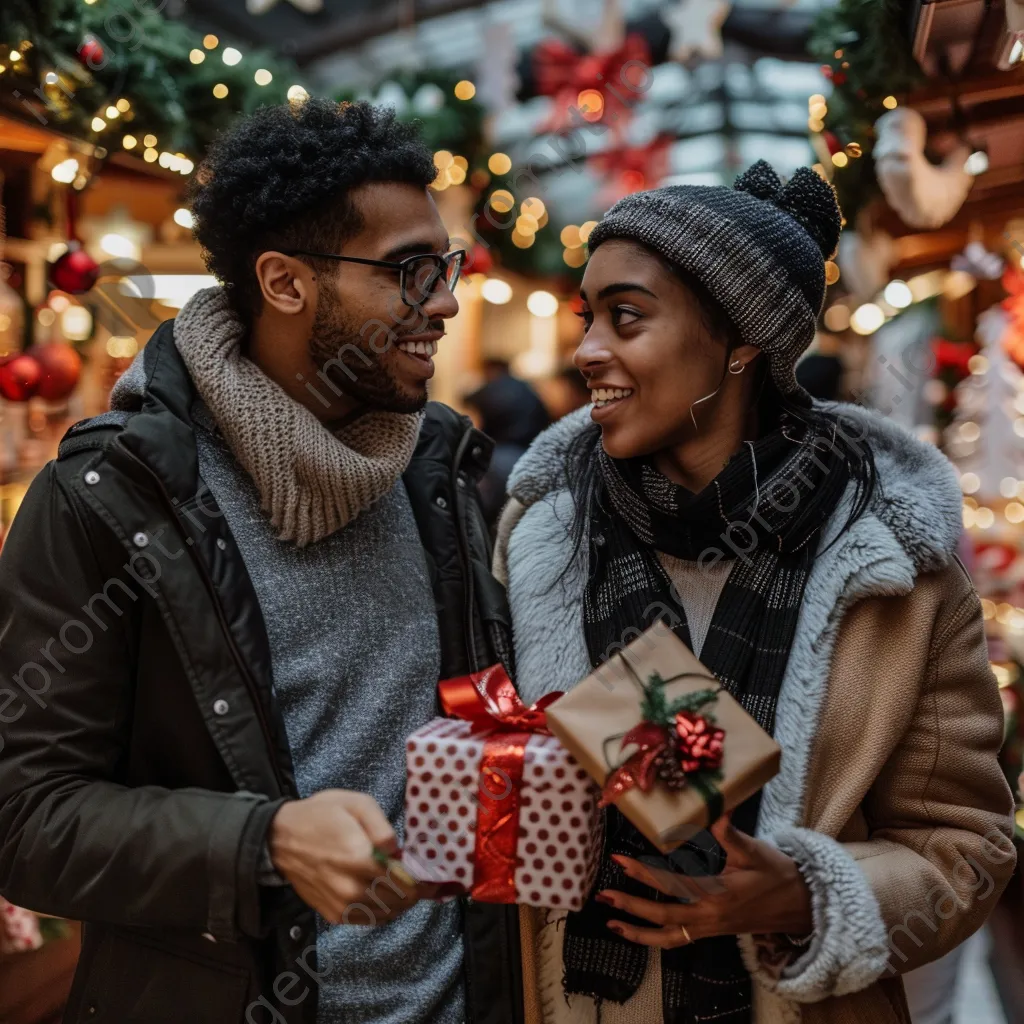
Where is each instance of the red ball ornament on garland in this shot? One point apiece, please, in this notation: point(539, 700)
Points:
point(75, 271)
point(61, 367)
point(20, 377)
point(91, 53)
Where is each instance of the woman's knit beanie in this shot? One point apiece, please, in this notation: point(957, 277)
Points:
point(759, 248)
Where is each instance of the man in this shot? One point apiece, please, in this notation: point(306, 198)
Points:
point(227, 603)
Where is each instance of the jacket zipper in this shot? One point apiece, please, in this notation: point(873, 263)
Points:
point(243, 669)
point(463, 545)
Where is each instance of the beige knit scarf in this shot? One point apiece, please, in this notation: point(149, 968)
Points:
point(311, 481)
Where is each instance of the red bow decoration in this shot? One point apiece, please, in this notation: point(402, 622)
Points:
point(673, 741)
point(632, 168)
point(563, 73)
point(489, 700)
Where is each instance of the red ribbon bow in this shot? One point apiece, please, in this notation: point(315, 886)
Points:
point(489, 700)
point(563, 73)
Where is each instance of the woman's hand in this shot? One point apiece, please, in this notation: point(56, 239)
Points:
point(761, 891)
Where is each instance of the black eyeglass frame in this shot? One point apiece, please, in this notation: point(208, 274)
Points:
point(441, 266)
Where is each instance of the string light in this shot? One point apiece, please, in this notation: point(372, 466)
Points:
point(15, 56)
point(65, 171)
point(150, 155)
point(129, 142)
point(123, 105)
point(263, 77)
point(231, 56)
point(296, 94)
point(502, 200)
point(890, 103)
point(183, 218)
point(840, 159)
point(496, 291)
point(541, 303)
point(149, 140)
point(112, 113)
point(499, 163)
point(196, 56)
point(465, 90)
point(570, 236)
point(585, 228)
point(98, 124)
point(210, 41)
point(220, 90)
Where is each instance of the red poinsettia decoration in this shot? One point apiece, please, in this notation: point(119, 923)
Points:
point(675, 740)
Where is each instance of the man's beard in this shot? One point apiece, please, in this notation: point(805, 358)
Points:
point(354, 365)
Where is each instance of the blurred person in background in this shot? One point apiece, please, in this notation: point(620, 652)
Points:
point(805, 551)
point(221, 615)
point(508, 411)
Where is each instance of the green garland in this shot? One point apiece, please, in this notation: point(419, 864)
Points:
point(865, 50)
point(145, 61)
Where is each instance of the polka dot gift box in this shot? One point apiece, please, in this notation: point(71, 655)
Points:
point(496, 805)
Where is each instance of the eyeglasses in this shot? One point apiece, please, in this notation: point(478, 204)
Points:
point(420, 274)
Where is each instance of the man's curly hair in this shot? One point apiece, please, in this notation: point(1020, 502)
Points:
point(280, 178)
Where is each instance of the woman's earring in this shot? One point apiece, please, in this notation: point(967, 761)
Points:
point(736, 367)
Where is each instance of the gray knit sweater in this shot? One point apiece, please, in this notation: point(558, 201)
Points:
point(355, 657)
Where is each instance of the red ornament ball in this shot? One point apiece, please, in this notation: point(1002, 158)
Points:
point(20, 377)
point(699, 744)
point(91, 53)
point(61, 366)
point(832, 142)
point(839, 78)
point(75, 272)
point(478, 261)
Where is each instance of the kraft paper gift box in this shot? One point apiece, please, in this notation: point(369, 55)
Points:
point(601, 723)
point(496, 805)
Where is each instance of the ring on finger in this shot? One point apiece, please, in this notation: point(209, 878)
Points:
point(686, 934)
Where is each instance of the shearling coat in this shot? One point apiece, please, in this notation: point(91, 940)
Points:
point(889, 797)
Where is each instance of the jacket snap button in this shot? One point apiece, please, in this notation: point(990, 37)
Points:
point(140, 539)
point(440, 502)
point(477, 452)
point(295, 933)
point(220, 707)
point(599, 539)
point(222, 543)
point(92, 477)
point(91, 1011)
point(462, 483)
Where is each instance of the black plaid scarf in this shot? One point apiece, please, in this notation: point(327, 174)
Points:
point(765, 510)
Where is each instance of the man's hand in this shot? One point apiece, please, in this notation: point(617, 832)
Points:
point(324, 846)
point(761, 891)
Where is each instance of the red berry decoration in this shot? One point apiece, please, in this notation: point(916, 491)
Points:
point(75, 272)
point(839, 78)
point(91, 53)
point(698, 743)
point(61, 366)
point(20, 377)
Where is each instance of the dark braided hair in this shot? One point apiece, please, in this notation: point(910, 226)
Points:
point(280, 178)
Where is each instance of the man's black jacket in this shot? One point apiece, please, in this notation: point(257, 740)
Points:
point(141, 752)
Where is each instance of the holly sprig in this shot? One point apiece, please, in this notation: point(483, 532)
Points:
point(657, 708)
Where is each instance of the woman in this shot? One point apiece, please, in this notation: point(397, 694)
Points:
point(808, 550)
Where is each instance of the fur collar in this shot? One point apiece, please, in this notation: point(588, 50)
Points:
point(918, 499)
